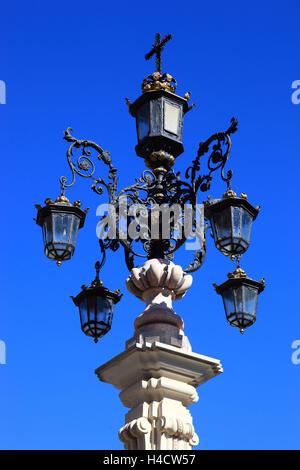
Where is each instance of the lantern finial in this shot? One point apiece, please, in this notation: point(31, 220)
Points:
point(157, 49)
point(159, 81)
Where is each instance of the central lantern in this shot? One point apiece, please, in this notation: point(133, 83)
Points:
point(159, 116)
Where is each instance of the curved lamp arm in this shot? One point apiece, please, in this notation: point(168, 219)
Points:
point(216, 160)
point(86, 168)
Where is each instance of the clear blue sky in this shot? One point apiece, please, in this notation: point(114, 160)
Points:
point(72, 64)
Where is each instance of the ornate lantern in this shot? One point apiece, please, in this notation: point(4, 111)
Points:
point(60, 222)
point(240, 296)
point(96, 307)
point(159, 116)
point(231, 222)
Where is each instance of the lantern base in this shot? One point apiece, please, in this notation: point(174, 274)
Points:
point(157, 382)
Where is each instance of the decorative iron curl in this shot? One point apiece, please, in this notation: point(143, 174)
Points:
point(216, 160)
point(85, 167)
point(151, 189)
point(199, 255)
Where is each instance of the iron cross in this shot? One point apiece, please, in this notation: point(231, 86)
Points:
point(157, 49)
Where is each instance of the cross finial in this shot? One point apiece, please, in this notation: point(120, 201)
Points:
point(157, 49)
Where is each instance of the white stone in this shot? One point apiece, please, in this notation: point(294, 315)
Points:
point(159, 273)
point(158, 373)
point(158, 418)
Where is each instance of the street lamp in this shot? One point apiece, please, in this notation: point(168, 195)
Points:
point(96, 306)
point(60, 222)
point(231, 222)
point(159, 114)
point(240, 296)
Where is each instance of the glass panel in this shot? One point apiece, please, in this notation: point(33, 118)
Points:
point(92, 308)
point(171, 118)
point(246, 225)
point(59, 252)
point(222, 222)
point(238, 299)
point(87, 330)
point(47, 229)
point(103, 308)
point(156, 116)
point(62, 227)
point(44, 233)
point(83, 311)
point(228, 301)
point(143, 121)
point(74, 230)
point(213, 229)
point(250, 299)
point(236, 221)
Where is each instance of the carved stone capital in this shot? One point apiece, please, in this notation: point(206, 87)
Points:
point(158, 276)
point(133, 434)
point(157, 283)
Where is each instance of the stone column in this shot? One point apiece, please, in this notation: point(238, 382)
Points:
point(158, 373)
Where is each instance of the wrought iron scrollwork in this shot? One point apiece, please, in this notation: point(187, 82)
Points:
point(160, 189)
point(216, 160)
point(85, 167)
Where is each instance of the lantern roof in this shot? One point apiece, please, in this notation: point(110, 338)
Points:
point(97, 289)
point(238, 278)
point(230, 198)
point(61, 204)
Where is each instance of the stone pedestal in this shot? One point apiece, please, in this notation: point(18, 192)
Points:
point(158, 373)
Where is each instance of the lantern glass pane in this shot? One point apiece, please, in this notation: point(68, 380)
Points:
point(246, 225)
point(103, 309)
point(228, 302)
point(236, 221)
point(250, 299)
point(48, 229)
point(171, 118)
point(143, 121)
point(62, 227)
point(75, 229)
point(238, 299)
point(222, 222)
point(44, 234)
point(156, 116)
point(83, 311)
point(92, 308)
